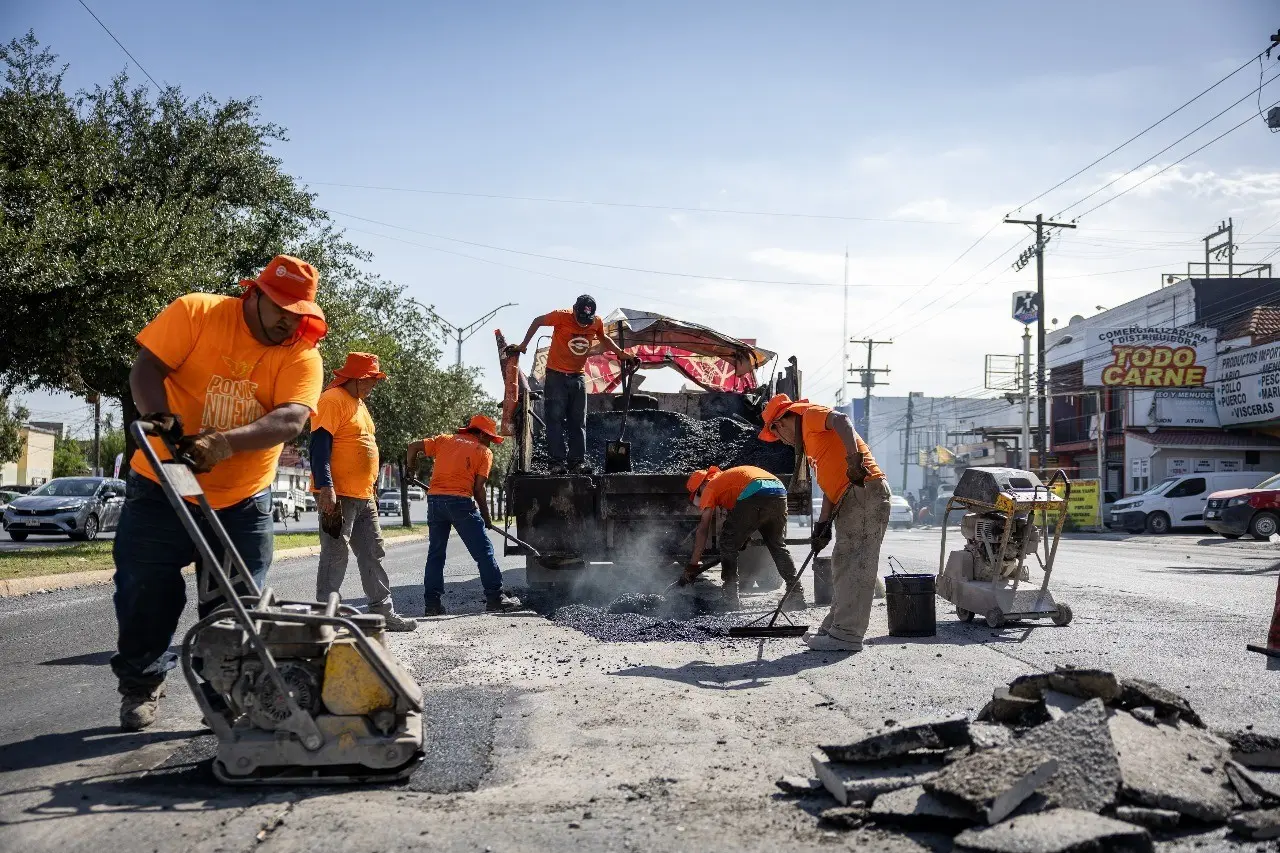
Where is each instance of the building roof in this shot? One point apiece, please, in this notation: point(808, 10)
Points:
point(1205, 439)
point(1262, 323)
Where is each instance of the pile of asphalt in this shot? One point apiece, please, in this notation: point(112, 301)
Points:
point(672, 443)
point(666, 626)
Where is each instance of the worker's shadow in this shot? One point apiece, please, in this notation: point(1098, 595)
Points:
point(737, 676)
point(84, 745)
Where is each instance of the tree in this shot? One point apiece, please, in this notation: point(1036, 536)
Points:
point(11, 441)
point(111, 443)
point(68, 458)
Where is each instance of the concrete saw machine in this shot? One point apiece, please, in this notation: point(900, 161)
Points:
point(297, 692)
point(1000, 532)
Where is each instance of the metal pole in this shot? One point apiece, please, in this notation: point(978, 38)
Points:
point(97, 435)
point(1026, 397)
point(459, 361)
point(844, 336)
point(1102, 454)
point(1040, 407)
point(1231, 248)
point(866, 405)
point(906, 444)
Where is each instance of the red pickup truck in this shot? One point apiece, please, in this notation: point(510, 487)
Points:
point(1235, 512)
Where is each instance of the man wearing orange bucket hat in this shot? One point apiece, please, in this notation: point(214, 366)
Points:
point(235, 377)
point(756, 501)
point(456, 501)
point(344, 470)
point(850, 480)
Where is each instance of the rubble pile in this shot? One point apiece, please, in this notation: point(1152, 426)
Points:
point(1072, 760)
point(625, 625)
point(672, 443)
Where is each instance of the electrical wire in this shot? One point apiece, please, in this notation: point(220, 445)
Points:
point(121, 45)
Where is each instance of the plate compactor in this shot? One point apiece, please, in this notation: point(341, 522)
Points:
point(1000, 533)
point(297, 692)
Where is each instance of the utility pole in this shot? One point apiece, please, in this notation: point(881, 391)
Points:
point(1026, 398)
point(844, 333)
point(462, 333)
point(1036, 251)
point(906, 449)
point(1228, 249)
point(869, 382)
point(96, 399)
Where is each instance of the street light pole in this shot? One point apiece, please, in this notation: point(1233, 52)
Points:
point(462, 333)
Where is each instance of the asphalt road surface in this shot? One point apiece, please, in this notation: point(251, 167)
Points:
point(539, 737)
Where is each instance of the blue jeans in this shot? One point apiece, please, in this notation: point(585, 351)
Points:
point(445, 512)
point(565, 405)
point(150, 551)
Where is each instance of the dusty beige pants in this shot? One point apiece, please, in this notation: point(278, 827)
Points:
point(859, 527)
point(361, 534)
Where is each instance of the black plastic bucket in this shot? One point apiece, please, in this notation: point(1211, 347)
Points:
point(909, 600)
point(821, 581)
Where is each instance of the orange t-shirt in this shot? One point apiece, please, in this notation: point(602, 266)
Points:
point(354, 461)
point(222, 378)
point(459, 459)
point(570, 342)
point(723, 490)
point(826, 452)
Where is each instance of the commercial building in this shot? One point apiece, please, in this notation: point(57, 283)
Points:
point(35, 465)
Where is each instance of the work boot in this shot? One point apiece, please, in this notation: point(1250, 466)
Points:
point(395, 622)
point(501, 602)
point(433, 607)
point(138, 707)
point(794, 600)
point(729, 596)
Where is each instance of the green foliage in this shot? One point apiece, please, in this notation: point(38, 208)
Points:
point(111, 443)
point(11, 441)
point(68, 458)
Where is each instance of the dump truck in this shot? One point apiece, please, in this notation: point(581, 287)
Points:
point(632, 529)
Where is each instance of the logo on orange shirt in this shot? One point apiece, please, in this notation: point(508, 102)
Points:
point(239, 369)
point(230, 403)
point(579, 345)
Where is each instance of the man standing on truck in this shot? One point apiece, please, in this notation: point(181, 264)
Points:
point(234, 378)
point(456, 500)
point(575, 332)
point(855, 500)
point(755, 500)
point(344, 469)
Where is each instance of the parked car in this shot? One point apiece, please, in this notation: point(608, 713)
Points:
point(940, 506)
point(416, 494)
point(1108, 504)
point(900, 515)
point(1179, 502)
point(305, 500)
point(389, 502)
point(1256, 511)
point(283, 504)
point(7, 497)
point(79, 507)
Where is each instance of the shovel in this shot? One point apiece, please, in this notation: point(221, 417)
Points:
point(617, 454)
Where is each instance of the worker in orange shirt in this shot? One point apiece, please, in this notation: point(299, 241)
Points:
point(456, 501)
point(344, 470)
point(575, 332)
point(855, 500)
point(756, 501)
point(237, 377)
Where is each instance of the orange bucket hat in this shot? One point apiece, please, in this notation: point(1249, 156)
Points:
point(778, 406)
point(359, 365)
point(291, 283)
point(483, 424)
point(700, 477)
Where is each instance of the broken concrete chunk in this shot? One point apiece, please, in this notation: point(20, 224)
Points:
point(843, 817)
point(1146, 714)
point(799, 785)
point(1088, 773)
point(1007, 708)
point(1166, 768)
point(916, 808)
point(1265, 785)
point(1255, 750)
point(1086, 683)
point(851, 782)
point(1136, 693)
point(1251, 798)
point(1029, 686)
point(1257, 825)
point(988, 736)
point(1161, 820)
point(903, 738)
point(1060, 704)
point(995, 781)
point(1057, 831)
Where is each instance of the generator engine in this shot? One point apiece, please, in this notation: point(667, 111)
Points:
point(983, 532)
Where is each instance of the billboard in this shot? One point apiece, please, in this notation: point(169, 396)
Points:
point(1150, 357)
point(1249, 385)
point(1189, 407)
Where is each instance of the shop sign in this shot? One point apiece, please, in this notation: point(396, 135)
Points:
point(1150, 357)
point(1249, 385)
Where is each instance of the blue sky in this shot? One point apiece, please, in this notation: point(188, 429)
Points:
point(954, 113)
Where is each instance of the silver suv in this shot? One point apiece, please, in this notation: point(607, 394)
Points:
point(79, 507)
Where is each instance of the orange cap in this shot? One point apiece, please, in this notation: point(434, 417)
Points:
point(359, 365)
point(699, 477)
point(778, 406)
point(483, 424)
point(291, 284)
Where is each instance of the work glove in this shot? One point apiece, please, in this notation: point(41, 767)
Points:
point(331, 520)
point(167, 424)
point(204, 450)
point(691, 572)
point(515, 349)
point(821, 535)
point(857, 474)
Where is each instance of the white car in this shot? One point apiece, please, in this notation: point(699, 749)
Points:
point(416, 494)
point(900, 515)
point(283, 504)
point(389, 502)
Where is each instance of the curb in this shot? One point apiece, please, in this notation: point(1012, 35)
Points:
point(15, 587)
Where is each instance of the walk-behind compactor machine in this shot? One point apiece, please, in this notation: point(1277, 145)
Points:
point(297, 692)
point(1000, 532)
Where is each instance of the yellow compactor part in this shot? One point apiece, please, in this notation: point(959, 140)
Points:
point(351, 685)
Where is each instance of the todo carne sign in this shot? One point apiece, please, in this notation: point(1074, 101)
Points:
point(1143, 357)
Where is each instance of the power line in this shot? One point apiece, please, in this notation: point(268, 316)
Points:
point(122, 47)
